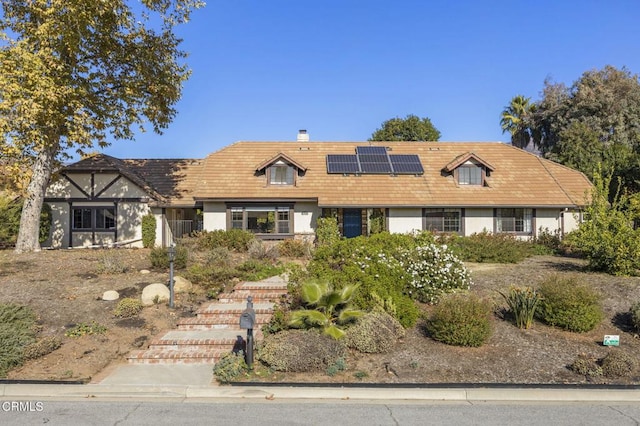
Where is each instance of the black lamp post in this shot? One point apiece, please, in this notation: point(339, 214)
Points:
point(172, 257)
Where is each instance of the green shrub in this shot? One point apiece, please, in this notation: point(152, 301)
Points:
point(294, 248)
point(635, 315)
point(148, 230)
point(569, 305)
point(128, 308)
point(159, 257)
point(607, 237)
point(376, 332)
point(327, 231)
point(84, 329)
point(550, 241)
point(42, 347)
point(618, 364)
point(485, 247)
point(460, 320)
point(230, 366)
point(434, 271)
point(279, 321)
point(523, 303)
point(374, 264)
point(336, 367)
point(255, 270)
point(210, 277)
point(10, 211)
point(17, 331)
point(300, 351)
point(233, 239)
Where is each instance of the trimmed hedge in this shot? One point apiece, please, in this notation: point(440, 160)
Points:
point(461, 320)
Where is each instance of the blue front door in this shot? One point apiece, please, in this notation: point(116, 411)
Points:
point(352, 223)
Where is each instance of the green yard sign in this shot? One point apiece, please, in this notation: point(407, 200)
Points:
point(611, 340)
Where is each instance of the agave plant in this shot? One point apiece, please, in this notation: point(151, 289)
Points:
point(328, 308)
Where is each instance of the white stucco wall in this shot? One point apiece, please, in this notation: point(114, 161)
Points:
point(571, 218)
point(122, 188)
point(305, 218)
point(129, 222)
point(214, 216)
point(548, 220)
point(59, 233)
point(402, 221)
point(478, 220)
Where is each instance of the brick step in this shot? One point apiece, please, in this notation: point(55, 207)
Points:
point(219, 322)
point(240, 296)
point(260, 288)
point(204, 339)
point(233, 309)
point(176, 356)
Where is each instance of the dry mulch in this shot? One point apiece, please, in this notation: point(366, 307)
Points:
point(64, 287)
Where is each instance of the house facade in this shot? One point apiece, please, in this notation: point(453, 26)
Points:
point(278, 190)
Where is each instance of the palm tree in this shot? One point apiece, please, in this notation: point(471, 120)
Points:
point(515, 120)
point(330, 308)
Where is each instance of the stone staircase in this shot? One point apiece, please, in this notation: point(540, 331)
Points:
point(215, 329)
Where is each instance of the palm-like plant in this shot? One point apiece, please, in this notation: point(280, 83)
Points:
point(330, 308)
point(515, 120)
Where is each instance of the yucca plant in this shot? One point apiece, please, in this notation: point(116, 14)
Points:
point(522, 303)
point(329, 308)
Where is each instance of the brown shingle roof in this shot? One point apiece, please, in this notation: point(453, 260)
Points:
point(518, 178)
point(168, 181)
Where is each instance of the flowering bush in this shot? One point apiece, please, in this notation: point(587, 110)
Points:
point(433, 270)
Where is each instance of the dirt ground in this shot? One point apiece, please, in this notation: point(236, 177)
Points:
point(64, 288)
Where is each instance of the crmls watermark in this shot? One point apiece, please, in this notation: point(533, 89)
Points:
point(22, 406)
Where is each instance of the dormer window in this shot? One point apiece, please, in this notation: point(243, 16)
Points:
point(469, 169)
point(469, 174)
point(280, 170)
point(281, 174)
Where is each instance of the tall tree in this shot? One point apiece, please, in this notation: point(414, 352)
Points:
point(594, 121)
point(411, 128)
point(516, 119)
point(74, 72)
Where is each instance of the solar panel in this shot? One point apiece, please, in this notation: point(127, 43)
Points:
point(406, 164)
point(372, 167)
point(376, 150)
point(338, 163)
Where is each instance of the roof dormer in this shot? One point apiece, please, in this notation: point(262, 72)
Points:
point(281, 170)
point(469, 169)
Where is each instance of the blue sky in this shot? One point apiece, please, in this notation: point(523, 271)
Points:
point(339, 68)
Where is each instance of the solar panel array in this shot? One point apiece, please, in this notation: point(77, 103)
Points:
point(374, 160)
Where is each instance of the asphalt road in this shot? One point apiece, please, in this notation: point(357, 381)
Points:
point(309, 412)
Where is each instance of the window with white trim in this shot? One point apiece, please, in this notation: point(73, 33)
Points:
point(281, 174)
point(514, 220)
point(442, 220)
point(469, 174)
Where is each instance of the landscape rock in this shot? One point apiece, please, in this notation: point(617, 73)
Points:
point(145, 271)
point(181, 284)
point(110, 295)
point(155, 293)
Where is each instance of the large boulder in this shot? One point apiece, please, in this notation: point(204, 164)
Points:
point(155, 293)
point(181, 284)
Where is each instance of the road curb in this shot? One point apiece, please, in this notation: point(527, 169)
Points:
point(97, 391)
